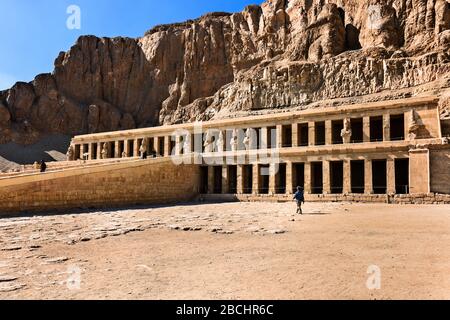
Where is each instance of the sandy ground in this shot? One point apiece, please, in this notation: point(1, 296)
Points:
point(229, 251)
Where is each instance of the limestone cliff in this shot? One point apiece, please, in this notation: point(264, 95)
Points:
point(282, 54)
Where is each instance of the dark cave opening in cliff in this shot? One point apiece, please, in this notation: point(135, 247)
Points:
point(316, 177)
point(320, 133)
point(303, 135)
point(287, 136)
point(376, 129)
point(336, 129)
point(402, 176)
point(357, 173)
point(337, 176)
point(247, 178)
point(379, 176)
point(397, 127)
point(357, 130)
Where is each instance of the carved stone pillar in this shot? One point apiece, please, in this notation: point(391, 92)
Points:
point(368, 184)
point(308, 189)
point(295, 142)
point(256, 178)
point(391, 176)
point(240, 179)
point(366, 129)
point(328, 132)
point(347, 177)
point(386, 127)
point(326, 177)
point(312, 133)
point(289, 177)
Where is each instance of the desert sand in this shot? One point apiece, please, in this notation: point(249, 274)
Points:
point(229, 251)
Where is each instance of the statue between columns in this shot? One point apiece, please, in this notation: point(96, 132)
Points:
point(248, 139)
point(105, 151)
point(346, 133)
point(220, 143)
point(234, 143)
point(209, 142)
point(143, 149)
point(187, 144)
point(70, 153)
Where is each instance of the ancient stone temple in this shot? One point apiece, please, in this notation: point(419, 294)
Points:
point(385, 151)
point(384, 148)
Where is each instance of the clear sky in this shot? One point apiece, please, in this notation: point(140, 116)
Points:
point(33, 32)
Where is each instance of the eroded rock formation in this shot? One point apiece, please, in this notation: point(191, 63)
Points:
point(282, 54)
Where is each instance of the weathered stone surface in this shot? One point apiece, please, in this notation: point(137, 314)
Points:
point(284, 53)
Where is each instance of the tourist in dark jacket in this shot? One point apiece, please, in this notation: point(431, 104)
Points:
point(43, 166)
point(299, 197)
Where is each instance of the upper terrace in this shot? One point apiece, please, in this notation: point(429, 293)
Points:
point(374, 125)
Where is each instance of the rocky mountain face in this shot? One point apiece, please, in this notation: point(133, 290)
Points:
point(282, 54)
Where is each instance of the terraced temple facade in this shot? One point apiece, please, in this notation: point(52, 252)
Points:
point(363, 152)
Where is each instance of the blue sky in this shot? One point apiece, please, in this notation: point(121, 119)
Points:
point(33, 32)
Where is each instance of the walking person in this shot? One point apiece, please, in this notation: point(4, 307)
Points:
point(299, 197)
point(43, 166)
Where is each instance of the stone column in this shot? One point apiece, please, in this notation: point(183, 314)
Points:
point(308, 189)
point(390, 176)
point(211, 181)
point(99, 150)
point(312, 133)
point(178, 145)
point(82, 151)
point(240, 179)
point(289, 177)
point(273, 178)
point(225, 178)
point(295, 142)
point(91, 151)
point(368, 185)
point(256, 172)
point(126, 148)
point(328, 132)
point(419, 171)
point(366, 129)
point(326, 177)
point(136, 148)
point(264, 137)
point(386, 127)
point(167, 146)
point(156, 146)
point(117, 149)
point(347, 177)
point(279, 136)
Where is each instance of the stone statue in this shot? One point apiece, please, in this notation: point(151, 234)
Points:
point(70, 154)
point(105, 151)
point(234, 143)
point(143, 150)
point(248, 139)
point(209, 142)
point(187, 144)
point(124, 155)
point(346, 133)
point(414, 125)
point(220, 143)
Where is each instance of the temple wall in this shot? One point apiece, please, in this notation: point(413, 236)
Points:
point(155, 181)
point(440, 171)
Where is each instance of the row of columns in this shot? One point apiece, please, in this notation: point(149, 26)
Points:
point(264, 138)
point(347, 187)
